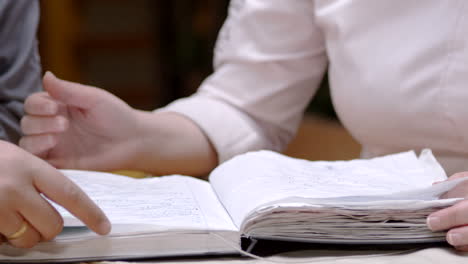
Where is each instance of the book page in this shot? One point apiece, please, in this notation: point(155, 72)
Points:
point(257, 178)
point(169, 202)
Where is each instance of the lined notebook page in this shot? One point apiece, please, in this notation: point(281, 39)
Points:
point(172, 202)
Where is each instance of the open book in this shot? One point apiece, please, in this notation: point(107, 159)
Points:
point(256, 195)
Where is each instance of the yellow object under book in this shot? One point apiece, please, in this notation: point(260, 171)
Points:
point(133, 174)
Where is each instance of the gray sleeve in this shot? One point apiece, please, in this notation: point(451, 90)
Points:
point(20, 70)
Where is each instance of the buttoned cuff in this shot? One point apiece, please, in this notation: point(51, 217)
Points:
point(231, 131)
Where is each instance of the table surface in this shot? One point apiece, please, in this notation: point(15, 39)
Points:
point(426, 256)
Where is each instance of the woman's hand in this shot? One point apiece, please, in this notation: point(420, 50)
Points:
point(26, 217)
point(453, 218)
point(76, 126)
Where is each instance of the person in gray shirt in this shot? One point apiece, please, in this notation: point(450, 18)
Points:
point(26, 217)
point(20, 68)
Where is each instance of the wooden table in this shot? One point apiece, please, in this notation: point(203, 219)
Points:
point(434, 255)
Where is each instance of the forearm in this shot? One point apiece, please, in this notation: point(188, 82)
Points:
point(169, 143)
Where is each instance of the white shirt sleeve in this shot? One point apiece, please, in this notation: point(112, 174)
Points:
point(269, 60)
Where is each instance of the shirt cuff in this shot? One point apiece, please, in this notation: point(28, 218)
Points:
point(230, 130)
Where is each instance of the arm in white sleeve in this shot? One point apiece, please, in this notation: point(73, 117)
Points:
point(269, 60)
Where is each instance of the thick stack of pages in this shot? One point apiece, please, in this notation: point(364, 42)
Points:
point(376, 201)
point(354, 223)
point(257, 195)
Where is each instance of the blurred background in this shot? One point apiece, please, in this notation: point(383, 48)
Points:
point(151, 52)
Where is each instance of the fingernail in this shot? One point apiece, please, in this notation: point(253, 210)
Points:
point(50, 74)
point(105, 227)
point(455, 239)
point(433, 222)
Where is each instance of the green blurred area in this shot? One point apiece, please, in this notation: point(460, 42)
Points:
point(321, 104)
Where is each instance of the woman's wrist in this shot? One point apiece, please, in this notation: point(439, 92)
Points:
point(170, 143)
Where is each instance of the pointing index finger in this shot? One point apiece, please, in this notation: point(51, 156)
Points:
point(65, 192)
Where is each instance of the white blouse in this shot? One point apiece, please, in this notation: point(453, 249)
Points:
point(398, 73)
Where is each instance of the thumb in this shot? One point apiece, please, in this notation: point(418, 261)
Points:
point(70, 93)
